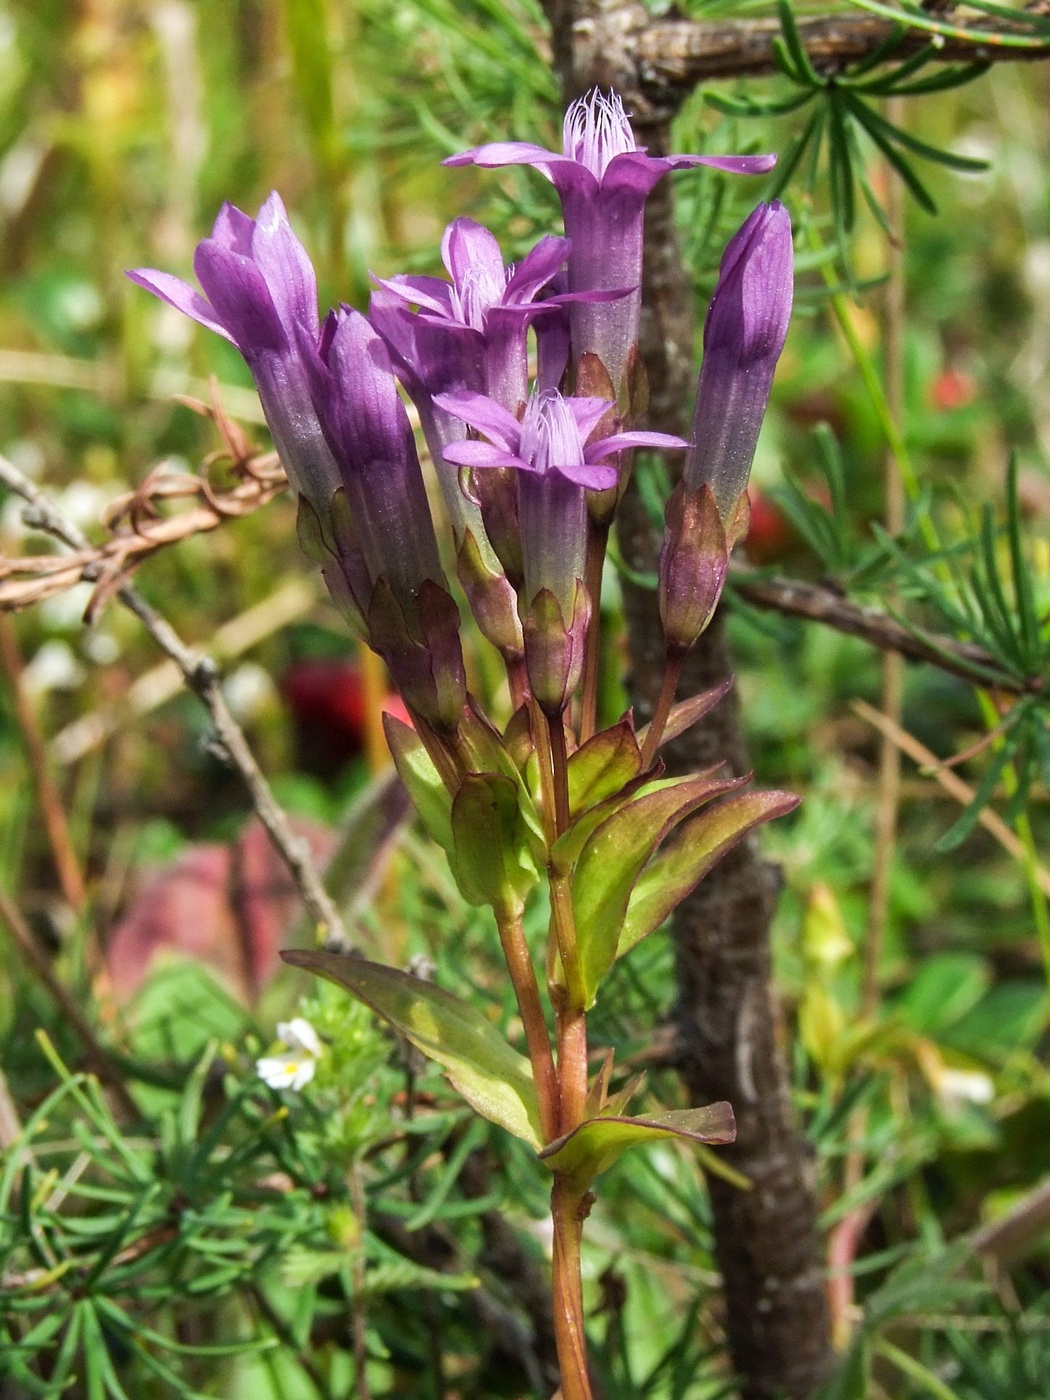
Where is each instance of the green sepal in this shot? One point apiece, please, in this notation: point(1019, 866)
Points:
point(595, 1145)
point(613, 858)
point(312, 540)
point(416, 769)
point(701, 843)
point(490, 1074)
point(493, 862)
point(602, 766)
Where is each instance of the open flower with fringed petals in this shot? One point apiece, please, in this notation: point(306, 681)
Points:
point(603, 178)
point(557, 463)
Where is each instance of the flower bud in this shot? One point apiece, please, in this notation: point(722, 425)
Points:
point(744, 334)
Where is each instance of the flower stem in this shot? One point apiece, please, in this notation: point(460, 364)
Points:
point(560, 771)
point(597, 539)
point(527, 992)
point(672, 672)
point(568, 1210)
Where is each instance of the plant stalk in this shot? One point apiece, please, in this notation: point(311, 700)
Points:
point(568, 1211)
point(527, 992)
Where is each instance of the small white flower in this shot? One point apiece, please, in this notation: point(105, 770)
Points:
point(966, 1086)
point(296, 1066)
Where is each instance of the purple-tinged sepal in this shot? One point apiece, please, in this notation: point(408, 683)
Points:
point(422, 651)
point(693, 565)
point(744, 333)
point(491, 597)
point(555, 641)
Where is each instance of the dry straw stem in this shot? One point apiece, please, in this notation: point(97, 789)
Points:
point(952, 784)
point(155, 687)
point(201, 674)
point(137, 527)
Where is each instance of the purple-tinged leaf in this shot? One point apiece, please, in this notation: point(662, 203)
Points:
point(602, 766)
point(614, 857)
point(700, 845)
point(688, 712)
point(595, 1145)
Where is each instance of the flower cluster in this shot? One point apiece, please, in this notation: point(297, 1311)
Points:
point(523, 469)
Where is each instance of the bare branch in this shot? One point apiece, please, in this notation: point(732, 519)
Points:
point(820, 603)
point(616, 43)
point(202, 676)
point(137, 527)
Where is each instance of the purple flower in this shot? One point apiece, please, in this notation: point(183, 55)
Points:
point(556, 465)
point(603, 179)
point(260, 292)
point(472, 331)
point(744, 334)
point(385, 534)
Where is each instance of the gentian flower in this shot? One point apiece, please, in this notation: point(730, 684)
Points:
point(470, 333)
point(260, 292)
point(556, 465)
point(744, 333)
point(603, 178)
point(380, 523)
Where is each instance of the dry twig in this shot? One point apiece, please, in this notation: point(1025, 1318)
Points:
point(202, 676)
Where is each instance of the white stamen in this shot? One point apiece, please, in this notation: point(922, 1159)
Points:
point(595, 130)
point(476, 293)
point(550, 435)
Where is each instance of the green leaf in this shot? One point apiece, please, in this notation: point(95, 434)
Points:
point(490, 1074)
point(803, 70)
point(416, 769)
point(493, 863)
point(614, 856)
point(595, 1145)
point(700, 845)
point(943, 989)
point(600, 767)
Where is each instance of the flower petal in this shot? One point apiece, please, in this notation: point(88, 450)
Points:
point(619, 442)
point(180, 295)
point(589, 474)
point(537, 268)
point(428, 293)
point(471, 453)
point(233, 229)
point(286, 266)
point(588, 413)
point(470, 249)
point(485, 416)
point(238, 292)
point(498, 153)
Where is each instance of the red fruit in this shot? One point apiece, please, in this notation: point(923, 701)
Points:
point(952, 388)
point(327, 701)
point(769, 535)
